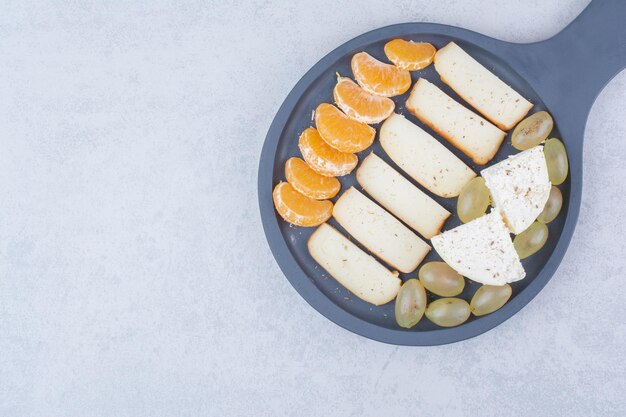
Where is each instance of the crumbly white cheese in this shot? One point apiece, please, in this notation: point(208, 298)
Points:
point(519, 187)
point(401, 197)
point(480, 87)
point(359, 272)
point(475, 136)
point(380, 232)
point(481, 250)
point(422, 157)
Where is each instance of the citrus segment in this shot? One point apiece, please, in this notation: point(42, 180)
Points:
point(340, 131)
point(323, 158)
point(360, 105)
point(379, 78)
point(308, 182)
point(409, 55)
point(298, 209)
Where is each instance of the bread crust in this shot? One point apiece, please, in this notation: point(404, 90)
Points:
point(382, 256)
point(435, 223)
point(501, 125)
point(376, 299)
point(424, 180)
point(479, 159)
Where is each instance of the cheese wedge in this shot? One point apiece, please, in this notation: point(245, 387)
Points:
point(359, 272)
point(475, 136)
point(478, 86)
point(401, 197)
point(379, 231)
point(422, 157)
point(519, 187)
point(481, 250)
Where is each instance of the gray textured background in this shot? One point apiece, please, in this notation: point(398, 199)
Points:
point(135, 279)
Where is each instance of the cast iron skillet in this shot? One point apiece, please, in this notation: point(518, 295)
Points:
point(562, 75)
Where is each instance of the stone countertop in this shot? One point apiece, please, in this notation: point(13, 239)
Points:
point(135, 279)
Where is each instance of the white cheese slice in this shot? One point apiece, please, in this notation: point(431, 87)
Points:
point(359, 272)
point(379, 231)
point(475, 136)
point(480, 87)
point(398, 195)
point(481, 250)
point(422, 157)
point(519, 187)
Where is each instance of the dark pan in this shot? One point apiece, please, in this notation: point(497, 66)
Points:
point(562, 75)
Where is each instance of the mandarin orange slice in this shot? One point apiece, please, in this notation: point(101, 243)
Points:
point(409, 55)
point(308, 182)
point(340, 131)
point(379, 78)
point(360, 105)
point(323, 158)
point(298, 209)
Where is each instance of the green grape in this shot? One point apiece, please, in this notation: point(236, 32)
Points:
point(473, 200)
point(439, 278)
point(552, 207)
point(410, 303)
point(556, 160)
point(448, 312)
point(490, 298)
point(532, 131)
point(531, 240)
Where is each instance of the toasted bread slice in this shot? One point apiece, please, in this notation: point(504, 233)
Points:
point(475, 136)
point(481, 88)
point(401, 197)
point(379, 231)
point(359, 272)
point(481, 250)
point(519, 187)
point(422, 157)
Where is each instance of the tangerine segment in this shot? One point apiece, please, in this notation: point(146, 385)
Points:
point(359, 104)
point(342, 132)
point(310, 183)
point(379, 78)
point(323, 158)
point(298, 209)
point(409, 55)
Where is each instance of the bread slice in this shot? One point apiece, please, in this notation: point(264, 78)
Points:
point(475, 136)
point(519, 187)
point(398, 195)
point(359, 272)
point(422, 157)
point(481, 88)
point(481, 250)
point(379, 231)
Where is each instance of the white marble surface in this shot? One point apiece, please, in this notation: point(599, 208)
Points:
point(135, 279)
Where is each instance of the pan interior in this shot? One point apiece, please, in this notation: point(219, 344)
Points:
point(319, 91)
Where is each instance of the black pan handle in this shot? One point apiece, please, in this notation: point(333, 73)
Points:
point(591, 50)
point(569, 70)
